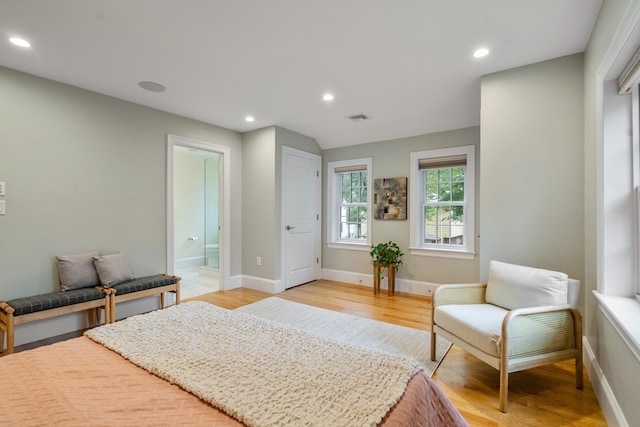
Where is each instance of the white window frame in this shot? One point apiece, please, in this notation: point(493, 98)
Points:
point(635, 152)
point(416, 221)
point(333, 203)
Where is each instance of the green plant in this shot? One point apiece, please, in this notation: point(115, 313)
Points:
point(386, 254)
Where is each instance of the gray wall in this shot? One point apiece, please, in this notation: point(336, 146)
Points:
point(262, 199)
point(390, 160)
point(259, 204)
point(531, 179)
point(85, 171)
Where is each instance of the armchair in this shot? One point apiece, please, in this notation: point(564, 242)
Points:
point(521, 318)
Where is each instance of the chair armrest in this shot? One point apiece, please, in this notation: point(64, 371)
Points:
point(467, 293)
point(536, 330)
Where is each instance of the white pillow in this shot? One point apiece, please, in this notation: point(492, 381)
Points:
point(513, 286)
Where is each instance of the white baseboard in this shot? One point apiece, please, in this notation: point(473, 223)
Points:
point(607, 400)
point(402, 285)
point(261, 284)
point(233, 283)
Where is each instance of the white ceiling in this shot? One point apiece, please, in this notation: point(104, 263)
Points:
point(406, 64)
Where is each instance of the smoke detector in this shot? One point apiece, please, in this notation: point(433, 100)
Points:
point(361, 117)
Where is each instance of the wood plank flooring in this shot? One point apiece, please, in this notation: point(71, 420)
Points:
point(544, 396)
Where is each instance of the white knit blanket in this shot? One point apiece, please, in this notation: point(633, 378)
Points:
point(260, 372)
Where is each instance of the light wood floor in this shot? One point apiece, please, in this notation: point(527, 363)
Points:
point(544, 396)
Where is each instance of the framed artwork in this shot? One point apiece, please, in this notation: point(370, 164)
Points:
point(390, 198)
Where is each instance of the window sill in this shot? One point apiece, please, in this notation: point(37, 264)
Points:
point(624, 313)
point(443, 253)
point(365, 247)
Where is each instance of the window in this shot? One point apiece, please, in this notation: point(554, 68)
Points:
point(442, 202)
point(348, 203)
point(621, 182)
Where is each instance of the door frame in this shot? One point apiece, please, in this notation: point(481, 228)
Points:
point(224, 200)
point(317, 229)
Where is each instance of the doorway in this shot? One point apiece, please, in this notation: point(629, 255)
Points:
point(196, 206)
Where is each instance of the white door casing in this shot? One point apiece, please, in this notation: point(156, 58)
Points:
point(301, 198)
point(225, 202)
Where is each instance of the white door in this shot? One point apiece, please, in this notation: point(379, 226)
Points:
point(301, 206)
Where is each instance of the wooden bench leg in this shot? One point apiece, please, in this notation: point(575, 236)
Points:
point(10, 334)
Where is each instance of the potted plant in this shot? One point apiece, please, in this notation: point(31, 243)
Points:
point(386, 255)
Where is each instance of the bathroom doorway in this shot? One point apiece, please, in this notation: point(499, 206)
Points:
point(194, 201)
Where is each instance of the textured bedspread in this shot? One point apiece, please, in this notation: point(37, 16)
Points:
point(261, 372)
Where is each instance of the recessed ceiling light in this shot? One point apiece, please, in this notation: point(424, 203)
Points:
point(152, 86)
point(19, 42)
point(481, 52)
point(327, 97)
point(249, 119)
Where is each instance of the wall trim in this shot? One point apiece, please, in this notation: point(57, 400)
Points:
point(606, 398)
point(234, 282)
point(225, 202)
point(364, 279)
point(261, 284)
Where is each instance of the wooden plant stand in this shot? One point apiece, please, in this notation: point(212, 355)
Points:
point(391, 275)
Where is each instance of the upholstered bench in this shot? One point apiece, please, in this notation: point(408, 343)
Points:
point(29, 309)
point(143, 287)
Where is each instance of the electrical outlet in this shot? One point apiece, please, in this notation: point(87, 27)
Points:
point(2, 208)
point(258, 260)
point(3, 188)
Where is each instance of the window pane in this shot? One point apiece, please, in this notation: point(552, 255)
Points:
point(353, 214)
point(431, 182)
point(444, 192)
point(444, 225)
point(457, 192)
point(457, 174)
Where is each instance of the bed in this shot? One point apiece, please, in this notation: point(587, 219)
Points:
point(167, 368)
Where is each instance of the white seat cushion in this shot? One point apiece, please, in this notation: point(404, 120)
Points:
point(477, 324)
point(515, 286)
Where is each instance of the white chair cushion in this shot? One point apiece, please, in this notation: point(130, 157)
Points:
point(515, 286)
point(477, 324)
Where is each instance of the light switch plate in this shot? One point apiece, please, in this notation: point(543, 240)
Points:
point(2, 189)
point(2, 210)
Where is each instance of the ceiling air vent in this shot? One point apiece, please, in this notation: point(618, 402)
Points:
point(359, 117)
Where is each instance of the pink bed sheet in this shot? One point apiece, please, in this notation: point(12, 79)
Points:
point(81, 383)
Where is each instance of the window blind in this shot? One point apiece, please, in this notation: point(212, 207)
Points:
point(630, 75)
point(443, 162)
point(352, 168)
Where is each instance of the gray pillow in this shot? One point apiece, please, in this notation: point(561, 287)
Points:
point(77, 271)
point(113, 269)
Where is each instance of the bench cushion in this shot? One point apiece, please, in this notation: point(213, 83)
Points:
point(36, 303)
point(478, 324)
point(143, 283)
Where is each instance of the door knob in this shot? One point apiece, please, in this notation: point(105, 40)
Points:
point(288, 227)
